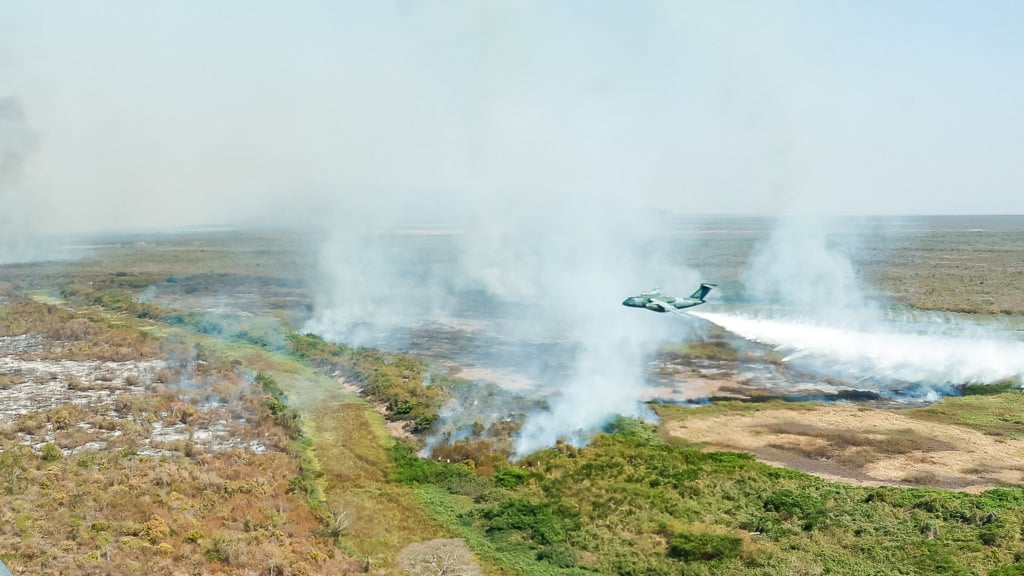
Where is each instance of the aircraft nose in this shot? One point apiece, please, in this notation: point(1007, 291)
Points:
point(631, 301)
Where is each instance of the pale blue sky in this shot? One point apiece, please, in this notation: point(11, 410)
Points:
point(177, 113)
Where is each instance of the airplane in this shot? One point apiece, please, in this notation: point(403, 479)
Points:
point(658, 302)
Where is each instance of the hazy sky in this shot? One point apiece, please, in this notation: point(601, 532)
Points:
point(177, 113)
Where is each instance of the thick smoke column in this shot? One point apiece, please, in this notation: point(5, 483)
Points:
point(804, 268)
point(554, 283)
point(376, 281)
point(15, 141)
point(606, 380)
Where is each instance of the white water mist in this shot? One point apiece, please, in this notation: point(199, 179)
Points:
point(934, 353)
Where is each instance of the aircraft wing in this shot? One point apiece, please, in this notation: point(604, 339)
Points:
point(669, 307)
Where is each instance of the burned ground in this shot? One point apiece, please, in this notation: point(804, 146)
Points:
point(125, 452)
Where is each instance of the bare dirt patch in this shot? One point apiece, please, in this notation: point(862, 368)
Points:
point(863, 446)
point(398, 429)
point(504, 378)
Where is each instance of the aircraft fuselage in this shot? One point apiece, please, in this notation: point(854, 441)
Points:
point(661, 304)
point(657, 302)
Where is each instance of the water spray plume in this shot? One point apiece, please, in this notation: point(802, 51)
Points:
point(811, 306)
point(935, 354)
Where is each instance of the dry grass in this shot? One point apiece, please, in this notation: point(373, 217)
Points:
point(866, 446)
point(103, 493)
point(227, 513)
point(973, 266)
point(350, 445)
point(74, 336)
point(855, 447)
point(202, 508)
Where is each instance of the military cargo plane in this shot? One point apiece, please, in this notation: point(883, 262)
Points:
point(658, 302)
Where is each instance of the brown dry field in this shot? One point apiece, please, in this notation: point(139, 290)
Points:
point(862, 445)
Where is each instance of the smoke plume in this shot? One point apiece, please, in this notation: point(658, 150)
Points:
point(804, 268)
point(15, 224)
point(542, 295)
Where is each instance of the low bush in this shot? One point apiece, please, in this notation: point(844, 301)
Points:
point(703, 546)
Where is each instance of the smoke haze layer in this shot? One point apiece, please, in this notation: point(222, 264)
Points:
point(175, 114)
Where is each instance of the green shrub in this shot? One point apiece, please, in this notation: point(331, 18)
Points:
point(315, 349)
point(1008, 570)
point(991, 389)
point(789, 505)
point(99, 527)
point(51, 452)
point(511, 477)
point(411, 469)
point(543, 522)
point(558, 556)
point(702, 546)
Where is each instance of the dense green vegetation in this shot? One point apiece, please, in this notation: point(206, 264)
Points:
point(395, 380)
point(635, 503)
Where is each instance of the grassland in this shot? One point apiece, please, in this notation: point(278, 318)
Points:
point(996, 415)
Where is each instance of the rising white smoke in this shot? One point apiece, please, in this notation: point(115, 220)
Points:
point(805, 266)
point(16, 243)
point(374, 282)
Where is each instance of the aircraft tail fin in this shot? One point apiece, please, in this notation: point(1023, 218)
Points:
point(702, 291)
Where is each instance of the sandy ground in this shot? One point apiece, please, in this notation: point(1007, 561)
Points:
point(505, 379)
point(695, 387)
point(958, 458)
